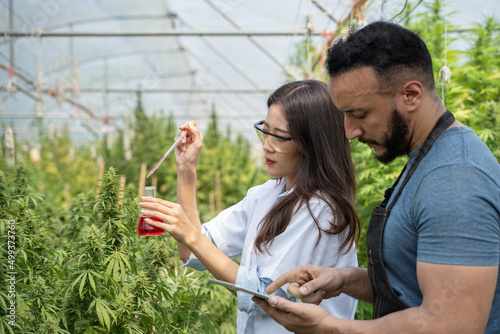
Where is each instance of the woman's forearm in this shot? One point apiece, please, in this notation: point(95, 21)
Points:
point(221, 266)
point(186, 197)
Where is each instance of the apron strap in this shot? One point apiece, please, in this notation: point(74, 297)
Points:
point(442, 124)
point(385, 300)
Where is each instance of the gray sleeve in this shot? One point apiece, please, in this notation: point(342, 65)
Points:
point(458, 217)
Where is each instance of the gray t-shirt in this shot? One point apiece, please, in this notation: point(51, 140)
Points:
point(448, 213)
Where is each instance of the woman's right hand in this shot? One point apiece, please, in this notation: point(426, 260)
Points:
point(173, 219)
point(188, 149)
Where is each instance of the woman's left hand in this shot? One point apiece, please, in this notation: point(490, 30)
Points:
point(174, 220)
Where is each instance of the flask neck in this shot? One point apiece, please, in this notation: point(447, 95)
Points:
point(150, 191)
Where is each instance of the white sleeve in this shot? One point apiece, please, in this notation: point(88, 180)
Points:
point(226, 231)
point(250, 278)
point(229, 228)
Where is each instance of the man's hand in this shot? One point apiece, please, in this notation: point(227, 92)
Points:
point(295, 317)
point(312, 283)
point(456, 299)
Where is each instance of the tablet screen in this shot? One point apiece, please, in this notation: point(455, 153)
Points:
point(239, 288)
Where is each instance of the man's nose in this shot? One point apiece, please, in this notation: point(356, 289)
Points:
point(352, 128)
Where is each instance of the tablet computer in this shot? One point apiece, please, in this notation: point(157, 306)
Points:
point(239, 288)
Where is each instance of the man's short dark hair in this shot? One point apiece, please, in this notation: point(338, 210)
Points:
point(396, 54)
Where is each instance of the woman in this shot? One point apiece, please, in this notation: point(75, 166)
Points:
point(306, 215)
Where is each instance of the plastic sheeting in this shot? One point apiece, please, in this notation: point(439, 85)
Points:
point(65, 68)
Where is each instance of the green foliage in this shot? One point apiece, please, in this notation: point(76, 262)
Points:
point(475, 87)
point(107, 280)
point(4, 196)
point(85, 270)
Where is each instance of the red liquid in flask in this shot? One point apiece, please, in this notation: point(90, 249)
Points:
point(145, 229)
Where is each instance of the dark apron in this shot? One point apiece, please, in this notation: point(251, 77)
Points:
point(385, 300)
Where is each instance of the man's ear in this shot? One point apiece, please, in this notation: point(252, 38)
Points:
point(412, 95)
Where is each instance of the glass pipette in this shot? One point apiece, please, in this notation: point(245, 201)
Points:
point(181, 134)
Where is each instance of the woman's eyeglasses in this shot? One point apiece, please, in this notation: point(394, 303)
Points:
point(278, 143)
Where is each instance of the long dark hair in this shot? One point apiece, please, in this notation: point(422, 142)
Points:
point(325, 170)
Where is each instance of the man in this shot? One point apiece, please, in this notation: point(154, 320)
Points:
point(434, 243)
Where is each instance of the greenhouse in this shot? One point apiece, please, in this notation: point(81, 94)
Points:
point(93, 93)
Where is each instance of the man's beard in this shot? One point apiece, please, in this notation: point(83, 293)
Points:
point(397, 141)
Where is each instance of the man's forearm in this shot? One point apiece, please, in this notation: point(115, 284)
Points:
point(357, 284)
point(407, 321)
point(413, 320)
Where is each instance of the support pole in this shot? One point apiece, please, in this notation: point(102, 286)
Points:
point(179, 90)
point(105, 101)
point(67, 196)
point(218, 197)
point(100, 177)
point(154, 181)
point(11, 27)
point(163, 33)
point(142, 180)
point(121, 192)
point(211, 201)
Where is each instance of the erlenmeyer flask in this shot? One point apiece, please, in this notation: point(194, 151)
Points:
point(144, 228)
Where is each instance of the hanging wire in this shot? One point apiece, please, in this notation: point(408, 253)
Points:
point(311, 27)
point(445, 72)
point(401, 12)
point(295, 23)
point(381, 9)
point(411, 11)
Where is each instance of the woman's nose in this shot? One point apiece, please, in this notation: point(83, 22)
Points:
point(267, 147)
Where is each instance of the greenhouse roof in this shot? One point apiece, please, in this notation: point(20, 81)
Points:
point(79, 64)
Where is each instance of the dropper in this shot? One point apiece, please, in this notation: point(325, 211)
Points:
point(181, 134)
